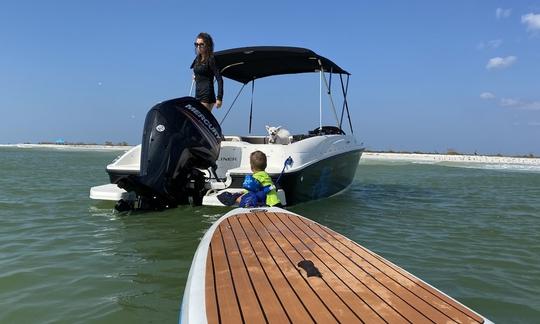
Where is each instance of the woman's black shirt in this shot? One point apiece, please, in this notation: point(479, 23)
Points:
point(204, 80)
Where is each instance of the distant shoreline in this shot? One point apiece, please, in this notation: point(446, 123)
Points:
point(411, 157)
point(463, 158)
point(72, 147)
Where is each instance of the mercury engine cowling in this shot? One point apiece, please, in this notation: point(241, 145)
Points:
point(180, 136)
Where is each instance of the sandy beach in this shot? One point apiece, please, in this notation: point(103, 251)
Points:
point(450, 158)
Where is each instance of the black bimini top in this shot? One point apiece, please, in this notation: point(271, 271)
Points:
point(248, 63)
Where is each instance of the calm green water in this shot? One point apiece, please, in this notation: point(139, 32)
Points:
point(473, 233)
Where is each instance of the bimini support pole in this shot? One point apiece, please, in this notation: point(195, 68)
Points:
point(344, 98)
point(331, 101)
point(320, 96)
point(251, 106)
point(345, 89)
point(228, 110)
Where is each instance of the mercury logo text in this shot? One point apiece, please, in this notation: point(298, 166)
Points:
point(205, 121)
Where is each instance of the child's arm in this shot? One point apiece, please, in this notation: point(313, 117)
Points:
point(269, 188)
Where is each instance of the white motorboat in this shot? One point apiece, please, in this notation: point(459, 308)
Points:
point(185, 159)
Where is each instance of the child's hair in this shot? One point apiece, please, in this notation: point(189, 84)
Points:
point(257, 160)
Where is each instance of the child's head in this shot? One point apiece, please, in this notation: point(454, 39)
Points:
point(257, 160)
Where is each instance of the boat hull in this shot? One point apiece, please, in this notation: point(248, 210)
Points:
point(321, 179)
point(320, 166)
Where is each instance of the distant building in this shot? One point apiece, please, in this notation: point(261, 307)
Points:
point(60, 141)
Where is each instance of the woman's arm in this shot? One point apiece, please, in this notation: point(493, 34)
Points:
point(218, 77)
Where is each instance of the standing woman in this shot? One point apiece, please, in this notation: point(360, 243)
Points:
point(205, 70)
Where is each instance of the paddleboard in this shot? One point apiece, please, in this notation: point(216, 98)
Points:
point(270, 265)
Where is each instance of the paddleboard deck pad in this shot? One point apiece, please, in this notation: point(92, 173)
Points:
point(273, 266)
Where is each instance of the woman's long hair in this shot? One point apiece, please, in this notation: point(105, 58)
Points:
point(208, 47)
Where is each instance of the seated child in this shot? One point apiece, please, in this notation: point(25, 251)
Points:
point(260, 190)
point(254, 193)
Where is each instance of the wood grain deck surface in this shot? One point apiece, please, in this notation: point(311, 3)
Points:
point(252, 276)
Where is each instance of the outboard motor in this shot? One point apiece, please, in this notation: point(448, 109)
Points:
point(180, 136)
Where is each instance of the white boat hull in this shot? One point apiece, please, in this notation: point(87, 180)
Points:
point(321, 167)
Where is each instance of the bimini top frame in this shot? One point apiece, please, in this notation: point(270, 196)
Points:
point(246, 64)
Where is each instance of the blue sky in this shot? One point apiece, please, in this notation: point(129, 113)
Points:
point(426, 75)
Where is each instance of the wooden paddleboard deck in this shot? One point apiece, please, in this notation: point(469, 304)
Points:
point(273, 266)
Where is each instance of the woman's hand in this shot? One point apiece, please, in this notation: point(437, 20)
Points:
point(218, 104)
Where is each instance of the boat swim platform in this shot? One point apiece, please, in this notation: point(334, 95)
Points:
point(253, 274)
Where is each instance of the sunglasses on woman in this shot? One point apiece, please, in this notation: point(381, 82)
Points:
point(198, 44)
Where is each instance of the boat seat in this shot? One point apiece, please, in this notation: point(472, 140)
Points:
point(233, 138)
point(255, 139)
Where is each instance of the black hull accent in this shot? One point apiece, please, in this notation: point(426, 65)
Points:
point(318, 180)
point(114, 176)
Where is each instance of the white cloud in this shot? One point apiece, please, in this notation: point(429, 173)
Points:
point(532, 21)
point(510, 102)
point(487, 95)
point(501, 13)
point(519, 104)
point(500, 62)
point(492, 44)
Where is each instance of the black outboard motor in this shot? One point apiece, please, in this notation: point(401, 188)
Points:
point(180, 136)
